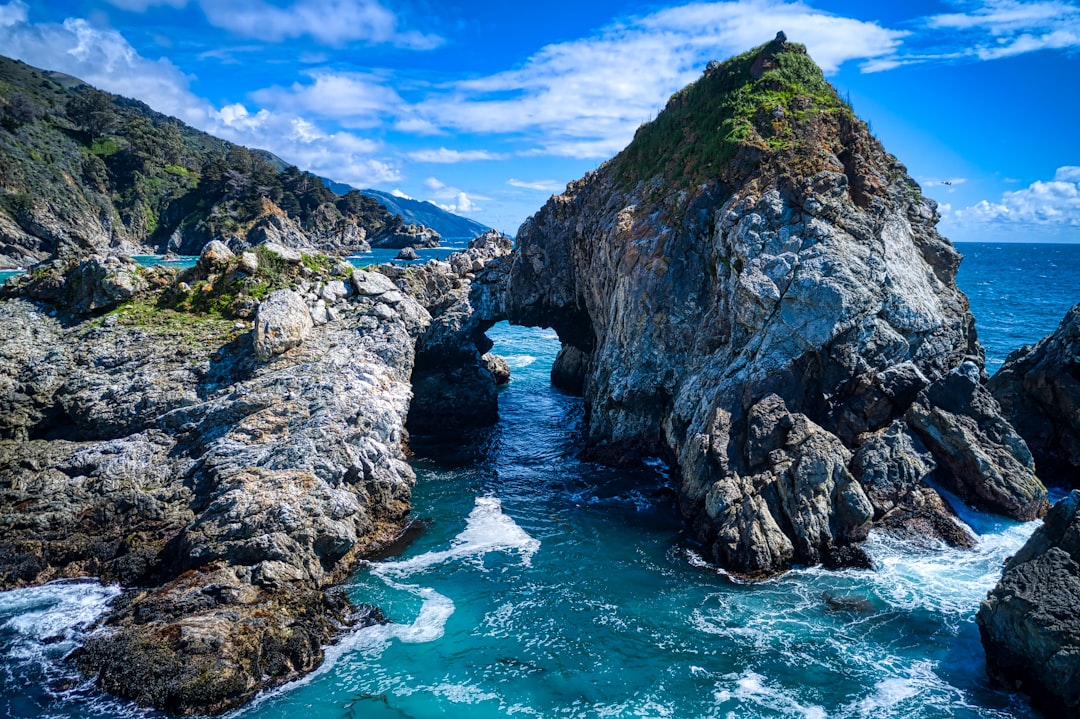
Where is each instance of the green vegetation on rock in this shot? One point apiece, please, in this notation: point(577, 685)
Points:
point(759, 101)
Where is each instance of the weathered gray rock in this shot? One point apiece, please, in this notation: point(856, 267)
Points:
point(237, 491)
point(1029, 624)
point(285, 252)
point(1039, 391)
point(498, 367)
point(455, 388)
point(407, 236)
point(893, 467)
point(989, 464)
point(90, 285)
point(216, 255)
point(407, 254)
point(282, 322)
point(809, 269)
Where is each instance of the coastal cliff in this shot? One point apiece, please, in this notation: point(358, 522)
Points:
point(755, 290)
point(226, 442)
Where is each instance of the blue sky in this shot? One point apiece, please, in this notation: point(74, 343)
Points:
point(489, 107)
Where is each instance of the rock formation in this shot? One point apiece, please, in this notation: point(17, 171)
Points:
point(227, 442)
point(1039, 391)
point(756, 290)
point(1029, 623)
point(454, 385)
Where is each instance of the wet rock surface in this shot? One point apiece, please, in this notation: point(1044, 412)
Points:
point(1039, 391)
point(1029, 624)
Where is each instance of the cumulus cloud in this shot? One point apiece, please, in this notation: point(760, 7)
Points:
point(359, 100)
point(101, 57)
point(448, 157)
point(538, 185)
point(586, 97)
point(1054, 202)
point(341, 156)
point(454, 199)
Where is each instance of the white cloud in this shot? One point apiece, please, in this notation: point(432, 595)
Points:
point(334, 22)
point(538, 185)
point(341, 156)
point(143, 5)
point(101, 57)
point(990, 30)
point(1054, 202)
point(398, 193)
point(448, 157)
point(585, 98)
point(359, 100)
point(457, 200)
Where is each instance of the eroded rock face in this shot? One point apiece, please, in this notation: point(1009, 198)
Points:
point(1039, 391)
point(1029, 624)
point(159, 451)
point(454, 385)
point(811, 279)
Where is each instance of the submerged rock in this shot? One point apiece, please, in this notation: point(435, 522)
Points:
point(757, 290)
point(1029, 624)
point(1039, 391)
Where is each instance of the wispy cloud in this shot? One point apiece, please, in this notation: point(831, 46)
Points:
point(586, 97)
point(334, 22)
point(989, 30)
point(444, 156)
point(1051, 202)
point(538, 185)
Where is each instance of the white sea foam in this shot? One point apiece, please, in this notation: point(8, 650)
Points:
point(487, 529)
point(519, 361)
point(50, 619)
point(751, 688)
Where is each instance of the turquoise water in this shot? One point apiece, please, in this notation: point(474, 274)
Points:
point(544, 586)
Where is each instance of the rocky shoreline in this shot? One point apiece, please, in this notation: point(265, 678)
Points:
point(229, 457)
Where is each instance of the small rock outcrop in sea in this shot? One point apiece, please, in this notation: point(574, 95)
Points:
point(407, 254)
point(406, 236)
point(227, 440)
point(1039, 391)
point(1029, 623)
point(756, 290)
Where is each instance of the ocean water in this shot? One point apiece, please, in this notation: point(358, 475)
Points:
point(544, 586)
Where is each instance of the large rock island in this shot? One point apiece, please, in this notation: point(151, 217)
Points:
point(756, 290)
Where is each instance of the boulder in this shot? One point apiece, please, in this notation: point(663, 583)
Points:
point(1029, 624)
point(282, 322)
point(1039, 391)
point(407, 254)
point(498, 367)
point(988, 463)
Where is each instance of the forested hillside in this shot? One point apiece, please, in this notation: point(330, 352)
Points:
point(83, 170)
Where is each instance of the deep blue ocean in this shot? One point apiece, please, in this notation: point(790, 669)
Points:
point(544, 586)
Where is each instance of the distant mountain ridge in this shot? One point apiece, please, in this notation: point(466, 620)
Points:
point(420, 212)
